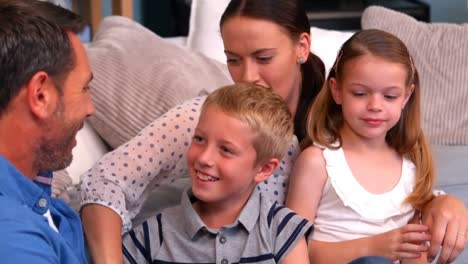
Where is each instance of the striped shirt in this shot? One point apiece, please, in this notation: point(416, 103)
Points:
point(264, 232)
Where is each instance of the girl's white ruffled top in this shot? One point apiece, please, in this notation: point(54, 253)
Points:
point(348, 211)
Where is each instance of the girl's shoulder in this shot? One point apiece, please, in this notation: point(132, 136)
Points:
point(313, 151)
point(311, 157)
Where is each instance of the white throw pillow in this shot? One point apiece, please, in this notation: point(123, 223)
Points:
point(326, 44)
point(89, 148)
point(204, 35)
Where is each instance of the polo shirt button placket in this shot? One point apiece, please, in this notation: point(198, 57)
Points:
point(224, 261)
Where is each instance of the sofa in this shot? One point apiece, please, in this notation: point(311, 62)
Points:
point(138, 76)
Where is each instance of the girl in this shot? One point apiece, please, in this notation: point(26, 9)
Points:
point(370, 166)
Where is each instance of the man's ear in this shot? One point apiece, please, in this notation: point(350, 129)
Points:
point(335, 90)
point(42, 95)
point(266, 169)
point(303, 46)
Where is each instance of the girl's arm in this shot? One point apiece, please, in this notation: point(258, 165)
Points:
point(406, 242)
point(306, 183)
point(298, 254)
point(152, 158)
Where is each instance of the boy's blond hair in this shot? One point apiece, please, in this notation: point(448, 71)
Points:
point(263, 111)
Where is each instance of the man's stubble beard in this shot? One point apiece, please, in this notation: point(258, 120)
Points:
point(53, 151)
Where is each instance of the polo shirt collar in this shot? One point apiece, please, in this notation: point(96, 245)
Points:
point(251, 211)
point(193, 223)
point(17, 186)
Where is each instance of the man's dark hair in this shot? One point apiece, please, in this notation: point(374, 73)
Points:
point(33, 38)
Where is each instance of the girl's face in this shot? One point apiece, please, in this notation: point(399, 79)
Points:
point(261, 52)
point(372, 94)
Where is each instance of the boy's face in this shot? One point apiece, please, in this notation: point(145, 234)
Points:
point(221, 159)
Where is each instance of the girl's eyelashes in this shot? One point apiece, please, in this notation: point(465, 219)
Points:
point(391, 97)
point(358, 94)
point(264, 59)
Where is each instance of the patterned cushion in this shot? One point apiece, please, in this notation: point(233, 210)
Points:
point(441, 56)
point(138, 76)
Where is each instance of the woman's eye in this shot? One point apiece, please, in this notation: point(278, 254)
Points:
point(232, 60)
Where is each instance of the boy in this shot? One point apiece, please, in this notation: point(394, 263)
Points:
point(242, 133)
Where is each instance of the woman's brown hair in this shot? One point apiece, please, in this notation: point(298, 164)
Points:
point(325, 117)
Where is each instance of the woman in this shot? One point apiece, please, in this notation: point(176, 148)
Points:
point(267, 42)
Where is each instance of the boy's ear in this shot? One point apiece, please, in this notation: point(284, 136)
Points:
point(335, 90)
point(265, 170)
point(42, 95)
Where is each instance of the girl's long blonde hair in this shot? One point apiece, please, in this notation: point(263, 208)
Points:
point(325, 117)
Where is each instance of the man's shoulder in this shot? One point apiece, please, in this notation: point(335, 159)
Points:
point(12, 208)
point(25, 234)
point(18, 217)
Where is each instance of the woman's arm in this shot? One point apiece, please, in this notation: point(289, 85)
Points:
point(119, 179)
point(447, 218)
point(103, 229)
point(402, 243)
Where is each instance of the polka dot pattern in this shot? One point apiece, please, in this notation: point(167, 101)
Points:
point(123, 178)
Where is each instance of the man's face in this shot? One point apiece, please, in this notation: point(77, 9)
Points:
point(54, 150)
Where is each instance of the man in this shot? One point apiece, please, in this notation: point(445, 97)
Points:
point(44, 99)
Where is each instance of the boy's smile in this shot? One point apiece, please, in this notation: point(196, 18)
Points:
point(205, 177)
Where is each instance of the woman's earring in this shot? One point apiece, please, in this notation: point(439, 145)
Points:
point(300, 60)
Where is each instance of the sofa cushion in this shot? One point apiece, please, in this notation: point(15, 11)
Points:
point(138, 76)
point(204, 34)
point(440, 54)
point(452, 168)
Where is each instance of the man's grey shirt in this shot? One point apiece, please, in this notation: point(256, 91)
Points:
point(264, 232)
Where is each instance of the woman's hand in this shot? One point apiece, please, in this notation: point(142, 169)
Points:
point(407, 242)
point(447, 219)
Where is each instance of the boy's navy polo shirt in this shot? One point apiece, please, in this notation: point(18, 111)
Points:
point(25, 234)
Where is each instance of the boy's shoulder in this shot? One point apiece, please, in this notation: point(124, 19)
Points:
point(281, 227)
point(272, 213)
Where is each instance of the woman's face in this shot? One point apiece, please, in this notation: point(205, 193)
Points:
point(261, 52)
